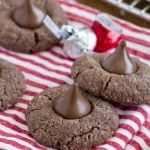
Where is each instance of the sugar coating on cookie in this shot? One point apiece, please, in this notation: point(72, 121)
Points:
point(52, 130)
point(132, 88)
point(12, 85)
point(17, 38)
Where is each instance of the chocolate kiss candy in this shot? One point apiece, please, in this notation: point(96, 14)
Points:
point(28, 15)
point(119, 62)
point(72, 105)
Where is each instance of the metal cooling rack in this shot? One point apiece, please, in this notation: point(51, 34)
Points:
point(140, 8)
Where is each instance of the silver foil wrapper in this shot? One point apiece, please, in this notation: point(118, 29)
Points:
point(78, 40)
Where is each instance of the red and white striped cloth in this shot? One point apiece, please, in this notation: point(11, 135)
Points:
point(52, 68)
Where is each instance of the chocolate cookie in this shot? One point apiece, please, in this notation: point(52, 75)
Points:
point(69, 132)
point(112, 79)
point(29, 35)
point(12, 85)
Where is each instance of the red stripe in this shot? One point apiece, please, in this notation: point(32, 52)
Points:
point(127, 127)
point(15, 117)
point(141, 110)
point(52, 61)
point(37, 55)
point(30, 93)
point(130, 38)
point(133, 108)
point(35, 84)
point(15, 56)
point(144, 137)
point(138, 53)
point(80, 19)
point(131, 117)
point(60, 56)
point(18, 109)
point(147, 125)
point(65, 57)
point(135, 144)
point(34, 144)
point(114, 144)
point(25, 101)
point(129, 27)
point(122, 137)
point(79, 6)
point(98, 148)
point(42, 76)
point(13, 127)
point(14, 144)
point(148, 104)
point(35, 63)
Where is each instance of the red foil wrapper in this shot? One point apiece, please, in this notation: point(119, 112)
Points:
point(107, 31)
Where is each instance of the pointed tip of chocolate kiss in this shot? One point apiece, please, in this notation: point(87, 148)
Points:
point(28, 15)
point(123, 43)
point(72, 105)
point(120, 61)
point(122, 47)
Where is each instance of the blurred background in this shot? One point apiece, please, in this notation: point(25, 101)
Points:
point(135, 11)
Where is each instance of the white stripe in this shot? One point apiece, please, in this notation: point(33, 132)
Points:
point(79, 12)
point(27, 97)
point(125, 133)
point(59, 51)
point(148, 119)
point(9, 147)
point(141, 142)
point(143, 60)
point(44, 62)
point(130, 123)
point(119, 141)
point(74, 22)
point(108, 147)
point(34, 89)
point(14, 122)
point(133, 113)
point(40, 80)
point(33, 77)
point(21, 105)
point(131, 24)
point(145, 131)
point(18, 141)
point(10, 131)
point(57, 59)
point(145, 107)
point(136, 35)
point(138, 47)
point(130, 147)
point(17, 113)
point(36, 68)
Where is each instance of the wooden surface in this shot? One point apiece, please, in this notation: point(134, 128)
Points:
point(99, 4)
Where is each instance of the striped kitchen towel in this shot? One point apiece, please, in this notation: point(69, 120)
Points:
point(52, 68)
